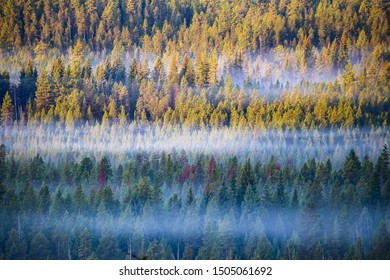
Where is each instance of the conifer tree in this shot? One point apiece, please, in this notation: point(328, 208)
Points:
point(43, 93)
point(108, 248)
point(7, 110)
point(15, 246)
point(5, 85)
point(264, 250)
point(40, 247)
point(85, 245)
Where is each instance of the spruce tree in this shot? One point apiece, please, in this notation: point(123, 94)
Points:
point(43, 93)
point(7, 110)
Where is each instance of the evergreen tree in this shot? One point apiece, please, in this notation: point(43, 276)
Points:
point(44, 200)
point(3, 166)
point(352, 167)
point(381, 243)
point(105, 172)
point(5, 85)
point(79, 200)
point(85, 245)
point(43, 93)
point(7, 110)
point(15, 246)
point(27, 86)
point(40, 247)
point(108, 248)
point(188, 253)
point(264, 250)
point(311, 225)
point(247, 180)
point(384, 163)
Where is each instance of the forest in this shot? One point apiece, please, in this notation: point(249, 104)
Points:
point(151, 129)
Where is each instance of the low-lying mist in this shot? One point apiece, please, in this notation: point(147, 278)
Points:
point(119, 143)
point(142, 191)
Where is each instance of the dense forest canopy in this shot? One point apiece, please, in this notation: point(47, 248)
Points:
point(172, 206)
point(279, 64)
point(196, 26)
point(201, 129)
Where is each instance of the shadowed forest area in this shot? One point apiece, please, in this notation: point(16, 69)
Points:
point(151, 129)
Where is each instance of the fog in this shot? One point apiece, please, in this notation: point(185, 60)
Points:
point(137, 209)
point(265, 69)
point(119, 143)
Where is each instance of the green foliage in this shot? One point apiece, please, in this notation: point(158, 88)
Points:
point(108, 67)
point(40, 247)
point(7, 110)
point(225, 49)
point(264, 250)
point(108, 248)
point(152, 24)
point(88, 222)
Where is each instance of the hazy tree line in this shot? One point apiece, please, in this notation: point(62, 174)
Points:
point(192, 96)
point(58, 143)
point(90, 60)
point(163, 206)
point(196, 26)
point(281, 108)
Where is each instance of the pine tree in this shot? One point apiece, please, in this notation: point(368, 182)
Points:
point(43, 93)
point(15, 246)
point(311, 226)
point(202, 77)
point(213, 69)
point(352, 167)
point(27, 86)
point(291, 250)
point(108, 248)
point(85, 245)
point(44, 200)
point(112, 110)
point(373, 189)
point(158, 73)
point(69, 121)
point(29, 201)
point(189, 198)
point(280, 194)
point(133, 72)
point(264, 250)
point(79, 200)
point(5, 85)
point(188, 252)
point(3, 167)
point(105, 172)
point(173, 70)
point(247, 180)
point(187, 71)
point(7, 110)
point(386, 192)
point(384, 165)
point(40, 247)
point(358, 250)
point(381, 243)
